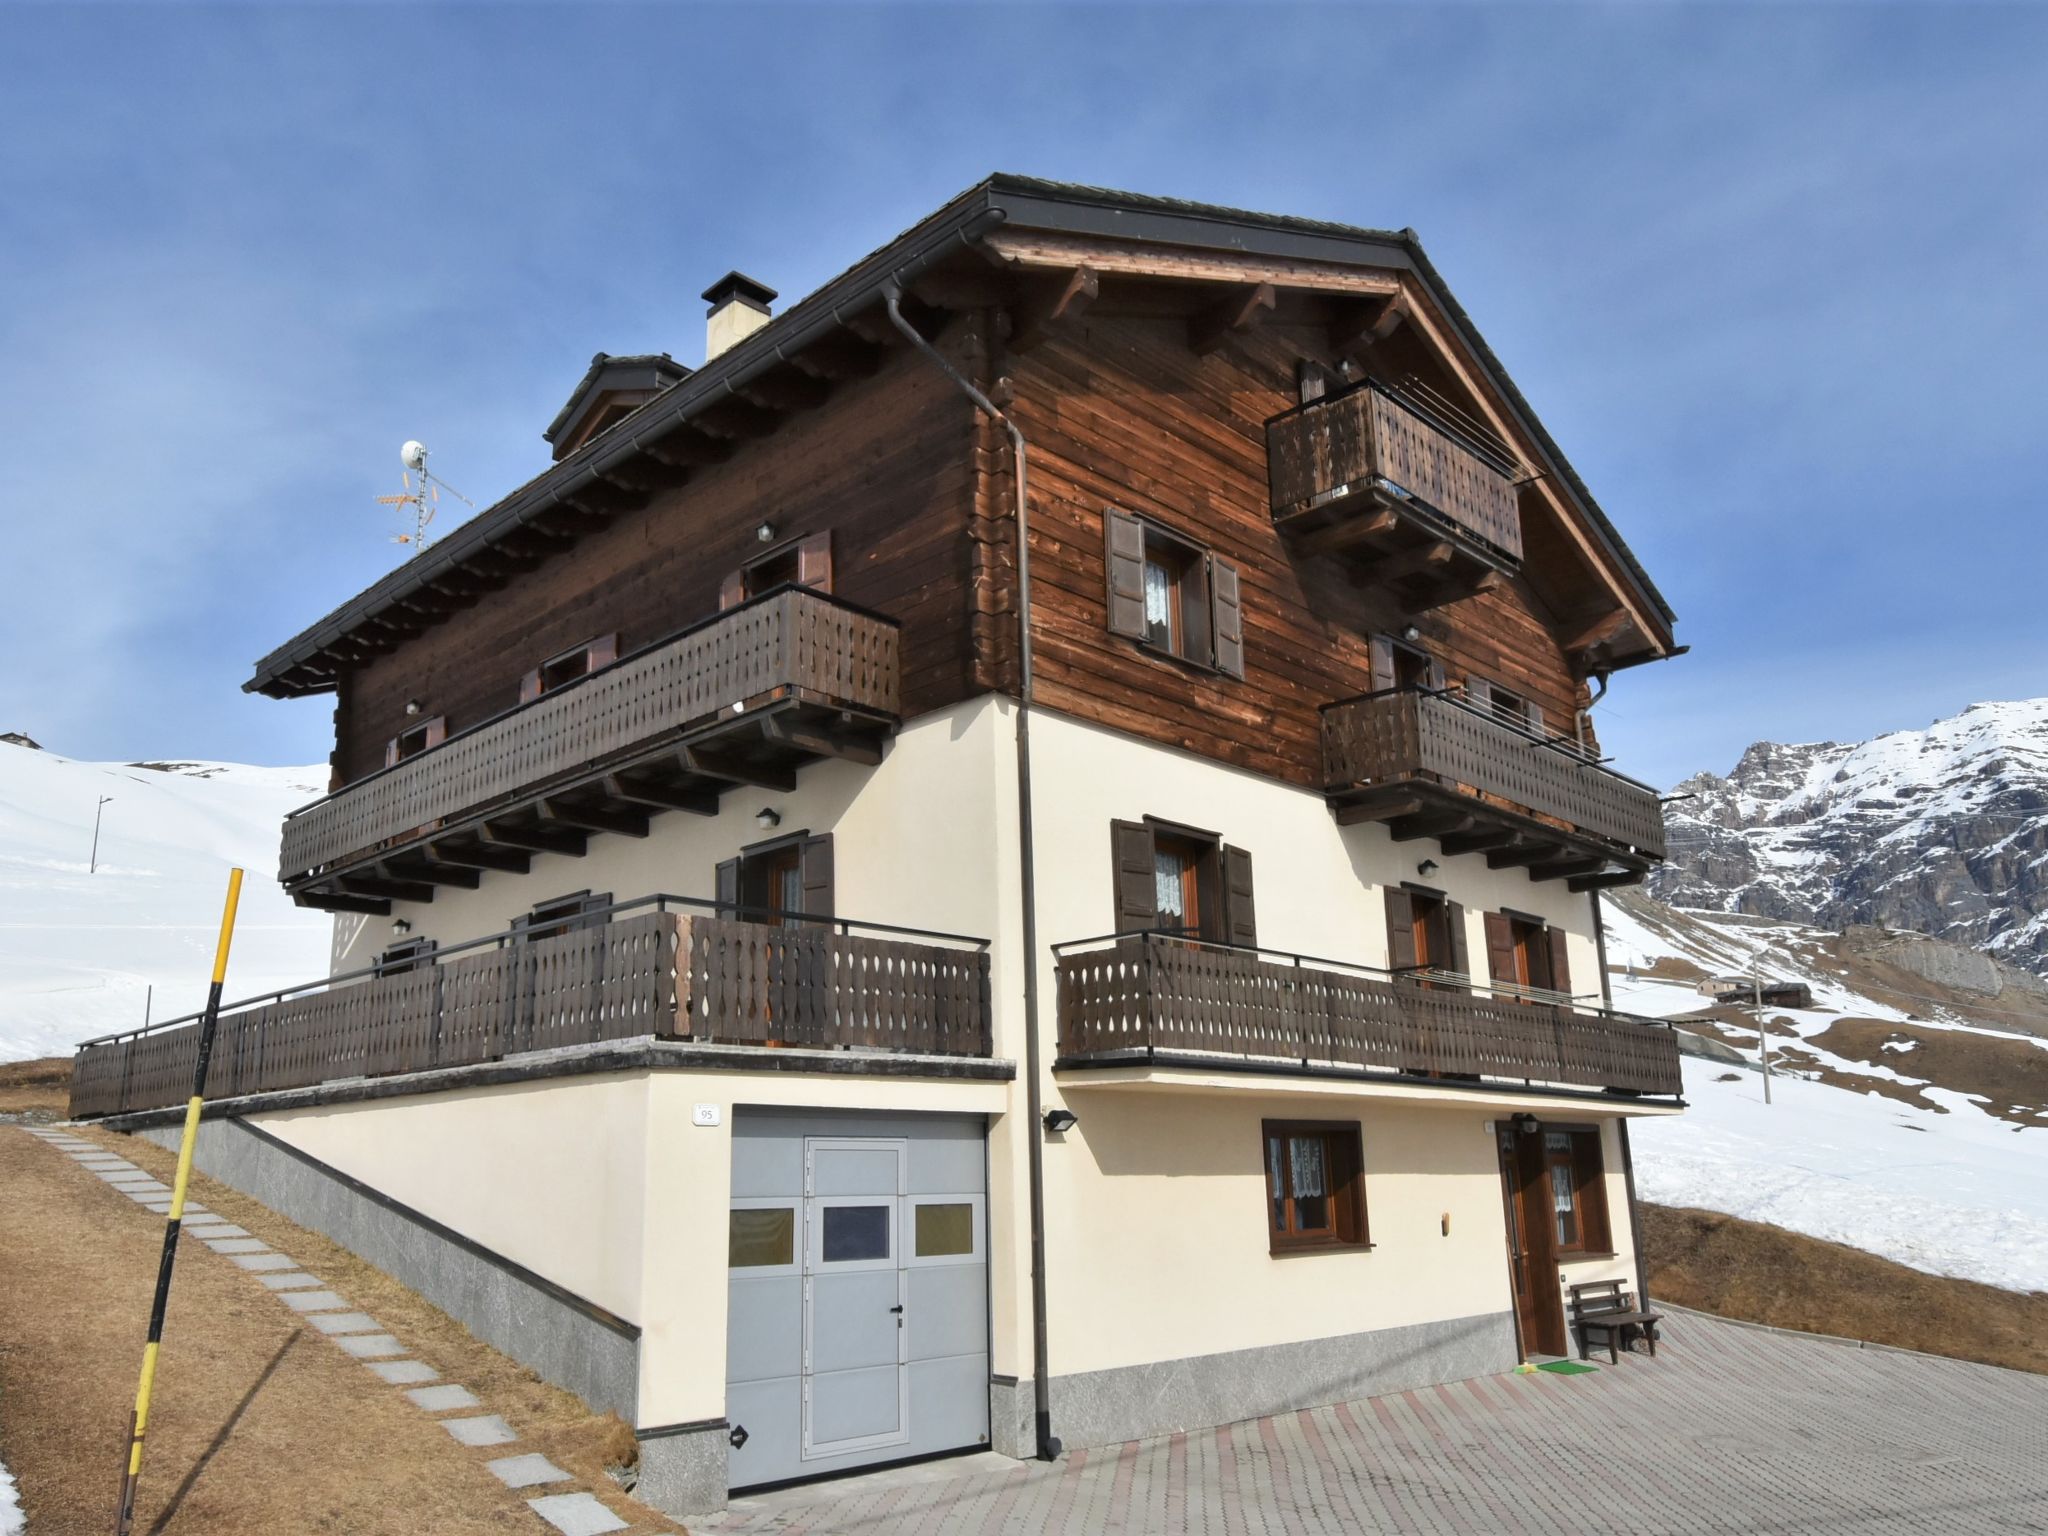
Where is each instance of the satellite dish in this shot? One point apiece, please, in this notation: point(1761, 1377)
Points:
point(413, 455)
point(423, 498)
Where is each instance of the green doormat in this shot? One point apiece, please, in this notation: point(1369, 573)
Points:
point(1566, 1367)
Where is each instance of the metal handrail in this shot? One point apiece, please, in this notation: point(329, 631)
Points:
point(618, 661)
point(740, 911)
point(1506, 991)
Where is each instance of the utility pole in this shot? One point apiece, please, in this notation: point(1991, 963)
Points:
point(1763, 1039)
point(93, 867)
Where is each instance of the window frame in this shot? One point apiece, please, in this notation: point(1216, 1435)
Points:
point(1206, 627)
point(1587, 1157)
point(430, 732)
point(571, 912)
point(1189, 624)
point(1344, 1163)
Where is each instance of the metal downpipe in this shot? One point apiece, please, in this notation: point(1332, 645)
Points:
point(1041, 1387)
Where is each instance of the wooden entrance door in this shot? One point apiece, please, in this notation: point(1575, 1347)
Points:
point(1532, 1241)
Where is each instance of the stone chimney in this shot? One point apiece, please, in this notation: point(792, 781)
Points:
point(739, 307)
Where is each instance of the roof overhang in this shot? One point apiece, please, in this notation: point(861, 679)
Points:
point(796, 355)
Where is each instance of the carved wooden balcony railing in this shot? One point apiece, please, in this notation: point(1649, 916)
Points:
point(1146, 997)
point(658, 968)
point(1396, 494)
point(1430, 764)
point(743, 698)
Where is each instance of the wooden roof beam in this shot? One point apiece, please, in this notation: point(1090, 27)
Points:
point(535, 839)
point(839, 356)
point(660, 796)
point(684, 448)
point(1359, 325)
point(1053, 306)
point(482, 856)
point(786, 390)
point(593, 818)
point(1233, 315)
point(717, 765)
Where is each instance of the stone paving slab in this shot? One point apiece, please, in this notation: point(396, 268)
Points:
point(400, 1373)
point(528, 1471)
point(444, 1398)
point(575, 1514)
point(237, 1244)
point(344, 1322)
point(484, 1429)
point(264, 1260)
point(313, 1301)
point(369, 1346)
point(215, 1228)
point(291, 1279)
point(1729, 1431)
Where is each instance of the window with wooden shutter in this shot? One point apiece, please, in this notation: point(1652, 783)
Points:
point(1578, 1189)
point(805, 562)
point(561, 670)
point(1401, 955)
point(814, 562)
point(1137, 907)
point(1560, 978)
point(726, 889)
point(1240, 920)
point(1315, 1185)
point(1226, 618)
point(1124, 541)
point(815, 870)
point(1459, 959)
point(425, 735)
point(1500, 951)
point(732, 591)
point(1398, 664)
point(563, 914)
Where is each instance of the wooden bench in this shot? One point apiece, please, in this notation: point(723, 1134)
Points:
point(1604, 1306)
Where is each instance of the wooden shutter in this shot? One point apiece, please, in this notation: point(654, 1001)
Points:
point(591, 906)
point(1226, 618)
point(1124, 559)
point(1400, 929)
point(1240, 921)
point(727, 889)
point(1437, 679)
point(814, 561)
point(814, 868)
point(1500, 949)
point(1137, 894)
point(1589, 1183)
point(1560, 966)
point(529, 686)
point(437, 732)
point(733, 590)
point(1479, 693)
point(1534, 715)
point(1454, 927)
point(1382, 663)
point(391, 753)
point(602, 652)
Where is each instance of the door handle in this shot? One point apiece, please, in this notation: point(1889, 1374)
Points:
point(897, 1310)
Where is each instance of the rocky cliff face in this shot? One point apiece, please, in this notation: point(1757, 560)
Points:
point(1942, 831)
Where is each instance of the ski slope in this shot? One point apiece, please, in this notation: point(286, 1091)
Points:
point(79, 950)
point(1961, 1193)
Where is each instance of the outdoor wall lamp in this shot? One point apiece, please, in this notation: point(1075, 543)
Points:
point(400, 927)
point(767, 817)
point(412, 706)
point(1411, 633)
point(1060, 1120)
point(1526, 1124)
point(765, 533)
point(1426, 868)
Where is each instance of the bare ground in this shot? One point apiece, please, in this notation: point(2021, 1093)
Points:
point(1765, 1274)
point(260, 1425)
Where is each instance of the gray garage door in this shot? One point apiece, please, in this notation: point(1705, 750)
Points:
point(857, 1330)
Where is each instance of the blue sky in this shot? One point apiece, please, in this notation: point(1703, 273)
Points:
point(1773, 277)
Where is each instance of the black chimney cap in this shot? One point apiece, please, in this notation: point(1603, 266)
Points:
point(737, 286)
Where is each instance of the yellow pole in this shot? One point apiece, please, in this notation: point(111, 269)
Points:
point(138, 1424)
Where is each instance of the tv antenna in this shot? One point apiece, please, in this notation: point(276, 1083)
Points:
point(423, 495)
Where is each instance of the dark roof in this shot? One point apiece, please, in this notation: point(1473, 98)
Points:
point(640, 370)
point(1002, 200)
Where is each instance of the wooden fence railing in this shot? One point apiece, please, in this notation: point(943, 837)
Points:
point(1351, 440)
point(794, 641)
point(1148, 993)
point(1384, 738)
point(664, 974)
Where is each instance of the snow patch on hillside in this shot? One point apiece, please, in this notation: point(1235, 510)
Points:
point(1960, 1192)
point(79, 949)
point(12, 1522)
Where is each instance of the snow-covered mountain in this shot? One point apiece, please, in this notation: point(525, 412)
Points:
point(1942, 831)
point(1907, 1116)
point(79, 948)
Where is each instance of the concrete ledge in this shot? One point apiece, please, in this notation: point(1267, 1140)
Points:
point(566, 1339)
point(682, 1467)
point(642, 1055)
point(1139, 1401)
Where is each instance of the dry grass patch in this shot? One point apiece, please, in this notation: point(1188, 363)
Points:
point(1765, 1274)
point(35, 1091)
point(2010, 1076)
point(261, 1424)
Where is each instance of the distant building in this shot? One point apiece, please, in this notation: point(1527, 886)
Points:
point(1744, 989)
point(17, 739)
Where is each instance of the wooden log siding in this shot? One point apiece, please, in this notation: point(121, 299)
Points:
point(1363, 435)
point(1389, 737)
point(1149, 994)
point(654, 973)
point(797, 642)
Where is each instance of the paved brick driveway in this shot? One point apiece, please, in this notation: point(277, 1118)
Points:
point(1729, 1429)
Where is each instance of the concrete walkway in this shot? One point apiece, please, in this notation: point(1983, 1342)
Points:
point(1729, 1429)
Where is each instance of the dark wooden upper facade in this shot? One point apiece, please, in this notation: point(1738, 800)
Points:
point(1300, 410)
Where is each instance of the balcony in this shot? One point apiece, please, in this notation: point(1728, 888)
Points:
point(1397, 492)
point(1431, 765)
point(1155, 999)
point(662, 968)
point(742, 699)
